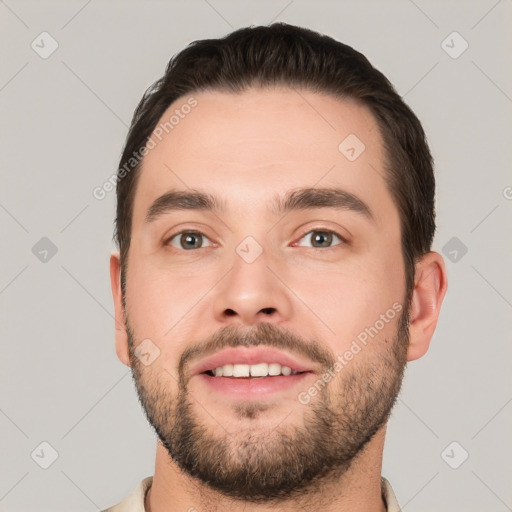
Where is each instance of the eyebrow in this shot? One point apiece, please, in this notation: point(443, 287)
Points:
point(298, 199)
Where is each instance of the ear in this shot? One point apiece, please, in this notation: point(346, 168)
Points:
point(430, 285)
point(120, 320)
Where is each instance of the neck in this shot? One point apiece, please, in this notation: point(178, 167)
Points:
point(357, 490)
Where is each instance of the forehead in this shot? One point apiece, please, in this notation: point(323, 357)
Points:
point(246, 148)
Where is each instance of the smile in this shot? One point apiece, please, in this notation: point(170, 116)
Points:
point(252, 370)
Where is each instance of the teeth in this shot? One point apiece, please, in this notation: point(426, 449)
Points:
point(259, 370)
point(274, 369)
point(227, 370)
point(285, 370)
point(240, 370)
point(253, 370)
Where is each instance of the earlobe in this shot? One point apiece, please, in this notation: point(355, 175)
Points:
point(121, 336)
point(429, 290)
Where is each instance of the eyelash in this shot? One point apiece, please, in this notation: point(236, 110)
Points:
point(324, 231)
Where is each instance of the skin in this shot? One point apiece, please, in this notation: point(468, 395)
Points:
point(247, 149)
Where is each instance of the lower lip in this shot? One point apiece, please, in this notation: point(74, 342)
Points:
point(246, 387)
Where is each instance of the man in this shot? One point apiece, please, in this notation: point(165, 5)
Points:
point(275, 218)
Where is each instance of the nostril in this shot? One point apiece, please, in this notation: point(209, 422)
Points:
point(266, 311)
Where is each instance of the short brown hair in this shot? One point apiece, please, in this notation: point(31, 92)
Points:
point(286, 55)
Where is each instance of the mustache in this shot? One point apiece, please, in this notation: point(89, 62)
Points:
point(265, 334)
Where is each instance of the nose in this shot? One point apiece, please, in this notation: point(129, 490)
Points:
point(252, 293)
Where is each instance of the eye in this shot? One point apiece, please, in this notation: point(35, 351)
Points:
point(321, 239)
point(187, 240)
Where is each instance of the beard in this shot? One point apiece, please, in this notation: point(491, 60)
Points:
point(275, 464)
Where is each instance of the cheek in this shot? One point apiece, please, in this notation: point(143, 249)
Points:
point(161, 300)
point(164, 306)
point(361, 300)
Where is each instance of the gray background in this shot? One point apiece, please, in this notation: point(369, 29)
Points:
point(63, 123)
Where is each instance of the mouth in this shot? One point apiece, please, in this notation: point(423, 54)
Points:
point(252, 372)
point(255, 371)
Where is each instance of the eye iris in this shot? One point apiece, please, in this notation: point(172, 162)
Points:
point(191, 240)
point(323, 238)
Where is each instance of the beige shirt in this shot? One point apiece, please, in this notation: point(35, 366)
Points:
point(135, 501)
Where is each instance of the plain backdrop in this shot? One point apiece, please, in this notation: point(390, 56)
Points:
point(64, 118)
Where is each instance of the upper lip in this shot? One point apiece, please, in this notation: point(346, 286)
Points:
point(250, 355)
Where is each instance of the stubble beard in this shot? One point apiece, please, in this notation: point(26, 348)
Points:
point(276, 464)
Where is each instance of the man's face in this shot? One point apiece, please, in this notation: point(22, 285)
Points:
point(250, 284)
